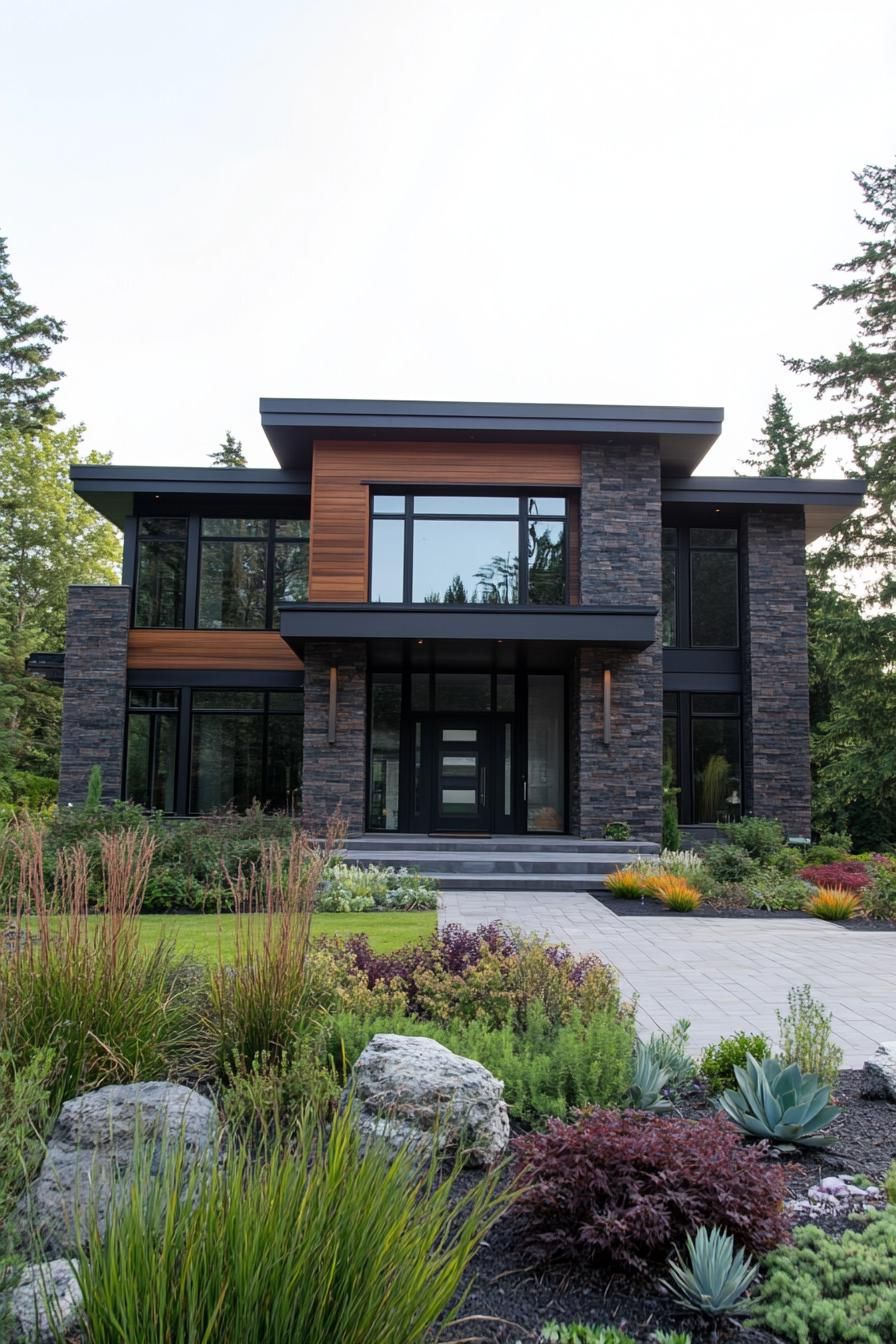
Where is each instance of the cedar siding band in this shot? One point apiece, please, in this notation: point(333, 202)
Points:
point(340, 485)
point(225, 650)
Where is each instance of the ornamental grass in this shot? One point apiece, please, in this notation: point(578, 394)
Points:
point(674, 892)
point(628, 883)
point(833, 903)
point(317, 1238)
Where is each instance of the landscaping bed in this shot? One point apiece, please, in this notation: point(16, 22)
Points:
point(711, 909)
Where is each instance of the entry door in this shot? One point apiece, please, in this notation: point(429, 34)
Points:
point(462, 795)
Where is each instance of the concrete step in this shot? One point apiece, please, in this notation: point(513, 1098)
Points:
point(533, 882)
point(499, 861)
point(536, 843)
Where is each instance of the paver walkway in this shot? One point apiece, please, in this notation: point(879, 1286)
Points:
point(723, 975)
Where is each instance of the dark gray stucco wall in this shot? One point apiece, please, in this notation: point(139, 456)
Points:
point(333, 774)
point(94, 699)
point(776, 667)
point(620, 564)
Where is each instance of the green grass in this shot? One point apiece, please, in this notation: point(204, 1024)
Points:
point(199, 935)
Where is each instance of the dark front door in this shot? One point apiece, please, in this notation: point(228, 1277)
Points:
point(462, 786)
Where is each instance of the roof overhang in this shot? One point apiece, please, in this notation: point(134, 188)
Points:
point(617, 627)
point(112, 490)
point(826, 503)
point(684, 434)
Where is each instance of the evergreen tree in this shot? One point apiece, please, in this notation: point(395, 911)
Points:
point(229, 453)
point(862, 379)
point(27, 383)
point(785, 449)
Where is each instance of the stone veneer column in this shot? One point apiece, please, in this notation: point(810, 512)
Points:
point(95, 691)
point(621, 565)
point(776, 667)
point(333, 774)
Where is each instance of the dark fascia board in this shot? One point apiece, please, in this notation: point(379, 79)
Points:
point(684, 433)
point(621, 627)
point(111, 490)
point(825, 502)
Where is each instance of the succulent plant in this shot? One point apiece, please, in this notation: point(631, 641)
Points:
point(648, 1080)
point(715, 1277)
point(782, 1105)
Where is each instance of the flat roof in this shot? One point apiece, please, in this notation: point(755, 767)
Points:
point(111, 490)
point(684, 433)
point(826, 502)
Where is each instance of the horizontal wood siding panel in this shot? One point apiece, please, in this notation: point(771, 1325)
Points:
point(227, 650)
point(340, 493)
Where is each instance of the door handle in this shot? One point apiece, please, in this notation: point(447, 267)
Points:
point(482, 786)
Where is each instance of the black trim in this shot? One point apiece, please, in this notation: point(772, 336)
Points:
point(623, 627)
point(239, 681)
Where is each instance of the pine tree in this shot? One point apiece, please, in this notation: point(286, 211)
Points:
point(229, 453)
point(785, 449)
point(27, 383)
point(863, 379)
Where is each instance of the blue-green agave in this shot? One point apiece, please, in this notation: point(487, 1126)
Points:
point(715, 1277)
point(779, 1104)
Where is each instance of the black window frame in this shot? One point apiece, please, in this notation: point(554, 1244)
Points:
point(192, 544)
point(172, 538)
point(409, 515)
point(684, 715)
point(264, 712)
point(684, 587)
point(154, 712)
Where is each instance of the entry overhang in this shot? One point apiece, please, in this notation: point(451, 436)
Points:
point(619, 627)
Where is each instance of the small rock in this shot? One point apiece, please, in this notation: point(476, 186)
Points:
point(91, 1149)
point(412, 1090)
point(879, 1073)
point(45, 1303)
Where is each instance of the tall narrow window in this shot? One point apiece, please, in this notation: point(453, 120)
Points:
point(151, 756)
point(545, 778)
point(385, 753)
point(161, 572)
point(714, 582)
point(670, 587)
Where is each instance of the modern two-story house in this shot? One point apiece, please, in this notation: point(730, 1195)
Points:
point(452, 619)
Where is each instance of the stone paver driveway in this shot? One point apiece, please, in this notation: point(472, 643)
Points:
point(724, 975)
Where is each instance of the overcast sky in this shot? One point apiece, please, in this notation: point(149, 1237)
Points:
point(536, 200)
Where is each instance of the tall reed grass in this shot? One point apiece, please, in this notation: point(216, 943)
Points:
point(319, 1242)
point(82, 985)
point(263, 1000)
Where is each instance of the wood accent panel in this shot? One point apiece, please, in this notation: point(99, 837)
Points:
point(340, 493)
point(228, 650)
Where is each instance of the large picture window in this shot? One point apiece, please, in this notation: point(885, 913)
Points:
point(468, 549)
point(246, 748)
point(151, 756)
point(247, 566)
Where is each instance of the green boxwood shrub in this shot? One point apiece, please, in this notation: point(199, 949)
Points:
point(729, 863)
point(718, 1061)
point(761, 837)
point(822, 1290)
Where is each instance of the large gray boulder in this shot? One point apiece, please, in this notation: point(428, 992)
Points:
point(45, 1302)
point(91, 1150)
point(410, 1090)
point(879, 1073)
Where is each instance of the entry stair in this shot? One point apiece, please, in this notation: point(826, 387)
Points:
point(501, 862)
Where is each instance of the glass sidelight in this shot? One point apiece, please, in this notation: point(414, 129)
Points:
point(546, 775)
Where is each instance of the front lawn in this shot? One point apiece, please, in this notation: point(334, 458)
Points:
point(201, 935)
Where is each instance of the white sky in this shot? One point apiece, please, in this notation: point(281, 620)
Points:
point(572, 200)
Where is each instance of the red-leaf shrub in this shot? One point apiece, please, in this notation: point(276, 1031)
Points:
point(624, 1187)
point(849, 874)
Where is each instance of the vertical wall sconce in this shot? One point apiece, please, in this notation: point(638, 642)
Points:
point(608, 704)
point(331, 721)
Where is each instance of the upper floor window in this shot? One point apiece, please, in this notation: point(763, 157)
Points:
point(219, 573)
point(462, 549)
point(700, 588)
point(247, 566)
point(161, 571)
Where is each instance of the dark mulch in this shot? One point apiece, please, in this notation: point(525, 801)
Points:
point(620, 905)
point(513, 1293)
